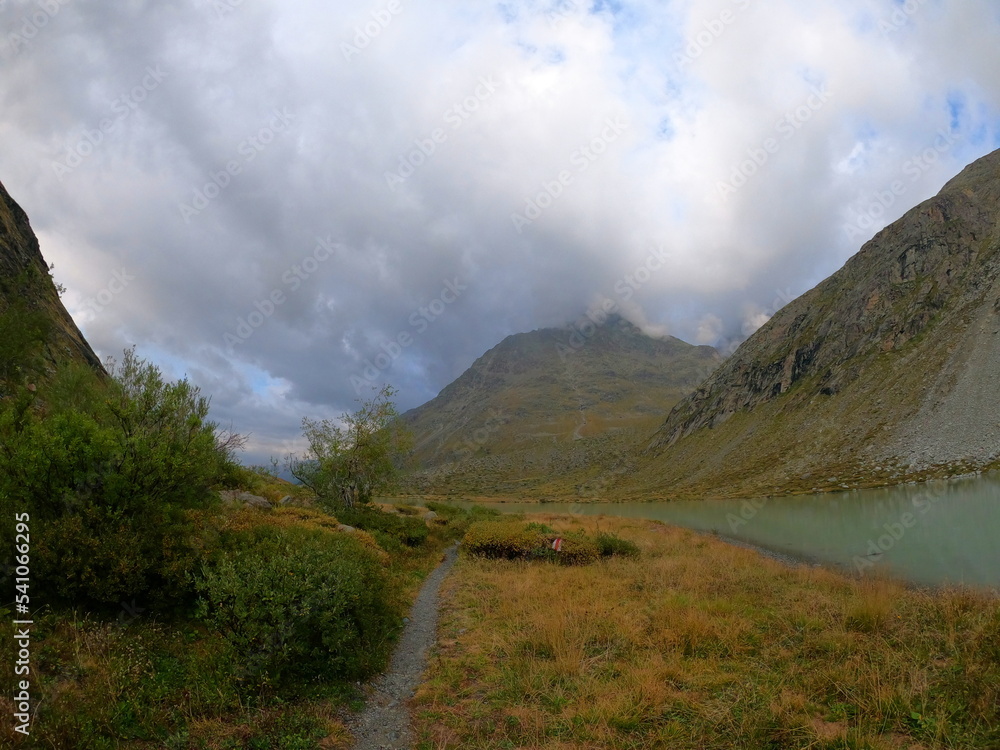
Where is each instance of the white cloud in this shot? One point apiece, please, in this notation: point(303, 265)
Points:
point(746, 105)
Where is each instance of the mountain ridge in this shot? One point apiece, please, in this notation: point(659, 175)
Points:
point(918, 301)
point(553, 394)
point(25, 282)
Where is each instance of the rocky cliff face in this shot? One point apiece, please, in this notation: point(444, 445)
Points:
point(24, 278)
point(886, 370)
point(550, 406)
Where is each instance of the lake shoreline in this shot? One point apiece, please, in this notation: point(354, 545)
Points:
point(929, 534)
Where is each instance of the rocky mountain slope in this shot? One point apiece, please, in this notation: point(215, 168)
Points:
point(548, 411)
point(29, 299)
point(888, 370)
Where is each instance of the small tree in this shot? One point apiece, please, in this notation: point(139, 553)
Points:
point(352, 459)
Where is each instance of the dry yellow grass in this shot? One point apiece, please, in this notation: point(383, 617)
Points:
point(698, 644)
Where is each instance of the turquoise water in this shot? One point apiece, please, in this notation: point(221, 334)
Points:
point(938, 533)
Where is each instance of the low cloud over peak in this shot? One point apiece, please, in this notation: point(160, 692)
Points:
point(304, 196)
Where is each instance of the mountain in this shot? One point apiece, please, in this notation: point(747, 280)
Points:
point(32, 318)
point(887, 371)
point(551, 410)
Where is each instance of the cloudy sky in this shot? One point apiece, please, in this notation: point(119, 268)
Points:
point(287, 201)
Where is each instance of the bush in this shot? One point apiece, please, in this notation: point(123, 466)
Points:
point(577, 549)
point(410, 531)
point(542, 528)
point(504, 540)
point(300, 603)
point(514, 540)
point(103, 558)
point(610, 545)
point(459, 519)
point(106, 470)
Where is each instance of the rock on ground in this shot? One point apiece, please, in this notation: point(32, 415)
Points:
point(235, 497)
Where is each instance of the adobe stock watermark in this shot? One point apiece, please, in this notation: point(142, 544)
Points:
point(119, 283)
point(368, 31)
point(130, 612)
point(757, 321)
point(420, 320)
point(456, 116)
point(581, 159)
point(292, 278)
point(122, 108)
point(900, 17)
point(895, 531)
point(561, 12)
point(785, 129)
point(868, 214)
point(711, 30)
point(582, 330)
point(27, 29)
point(223, 8)
point(248, 150)
point(748, 511)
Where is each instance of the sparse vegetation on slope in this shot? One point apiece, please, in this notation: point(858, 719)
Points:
point(31, 313)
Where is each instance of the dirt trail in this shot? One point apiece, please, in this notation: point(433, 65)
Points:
point(385, 722)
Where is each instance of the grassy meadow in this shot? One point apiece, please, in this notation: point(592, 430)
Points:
point(699, 644)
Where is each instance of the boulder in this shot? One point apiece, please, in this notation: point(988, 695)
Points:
point(236, 497)
point(255, 501)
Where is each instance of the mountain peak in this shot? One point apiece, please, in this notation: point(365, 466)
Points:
point(548, 389)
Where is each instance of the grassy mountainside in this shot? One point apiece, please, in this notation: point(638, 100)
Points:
point(32, 314)
point(551, 411)
point(889, 370)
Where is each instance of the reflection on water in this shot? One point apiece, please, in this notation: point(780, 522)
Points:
point(934, 533)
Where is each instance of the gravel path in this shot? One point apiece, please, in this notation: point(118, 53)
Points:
point(385, 722)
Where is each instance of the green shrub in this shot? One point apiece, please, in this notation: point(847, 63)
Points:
point(106, 470)
point(610, 545)
point(459, 519)
point(300, 604)
point(410, 531)
point(388, 542)
point(541, 528)
point(234, 476)
point(104, 558)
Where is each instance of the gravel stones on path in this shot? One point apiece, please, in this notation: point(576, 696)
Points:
point(384, 724)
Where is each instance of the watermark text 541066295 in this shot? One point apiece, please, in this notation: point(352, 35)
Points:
point(22, 625)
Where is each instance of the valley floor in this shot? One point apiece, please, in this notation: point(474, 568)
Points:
point(699, 644)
